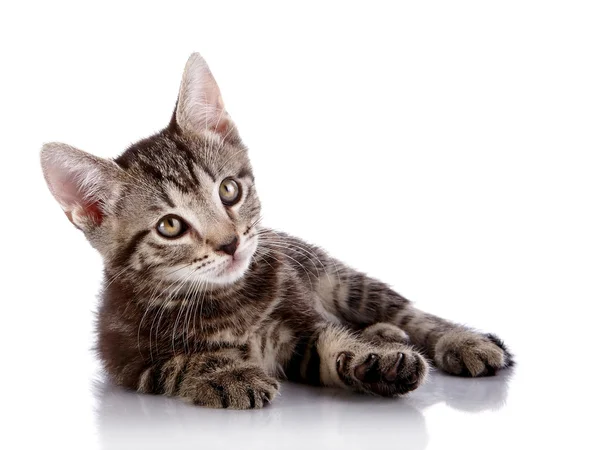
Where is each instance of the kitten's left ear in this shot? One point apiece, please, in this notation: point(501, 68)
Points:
point(83, 184)
point(200, 106)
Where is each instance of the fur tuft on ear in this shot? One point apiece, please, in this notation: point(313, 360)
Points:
point(80, 182)
point(200, 106)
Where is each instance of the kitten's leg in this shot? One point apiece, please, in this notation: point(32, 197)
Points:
point(363, 301)
point(220, 379)
point(334, 356)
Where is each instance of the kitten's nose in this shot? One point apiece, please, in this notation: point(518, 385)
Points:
point(231, 247)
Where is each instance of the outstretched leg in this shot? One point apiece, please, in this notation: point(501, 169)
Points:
point(361, 302)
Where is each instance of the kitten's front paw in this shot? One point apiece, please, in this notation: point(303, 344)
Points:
point(471, 354)
point(387, 371)
point(238, 388)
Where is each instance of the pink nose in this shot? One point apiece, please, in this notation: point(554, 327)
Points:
point(231, 247)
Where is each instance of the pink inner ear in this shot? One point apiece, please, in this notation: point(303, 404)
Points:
point(72, 196)
point(221, 127)
point(94, 211)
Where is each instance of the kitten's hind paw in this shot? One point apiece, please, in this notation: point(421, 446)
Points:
point(471, 354)
point(386, 371)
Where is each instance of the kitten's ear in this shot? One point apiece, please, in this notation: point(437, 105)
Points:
point(200, 105)
point(81, 183)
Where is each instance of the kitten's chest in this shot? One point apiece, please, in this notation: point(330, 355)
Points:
point(273, 346)
point(270, 342)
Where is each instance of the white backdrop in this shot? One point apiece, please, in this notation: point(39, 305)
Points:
point(451, 149)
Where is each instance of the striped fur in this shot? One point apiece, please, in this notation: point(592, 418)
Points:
point(179, 317)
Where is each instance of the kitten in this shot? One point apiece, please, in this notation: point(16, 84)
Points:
point(202, 303)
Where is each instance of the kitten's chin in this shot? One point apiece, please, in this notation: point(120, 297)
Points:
point(231, 272)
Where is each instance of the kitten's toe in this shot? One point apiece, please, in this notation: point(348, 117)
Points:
point(392, 372)
point(410, 372)
point(471, 354)
point(368, 370)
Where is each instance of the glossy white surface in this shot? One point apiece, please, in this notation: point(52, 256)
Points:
point(528, 407)
point(448, 148)
point(304, 417)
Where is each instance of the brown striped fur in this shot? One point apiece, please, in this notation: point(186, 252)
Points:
point(181, 318)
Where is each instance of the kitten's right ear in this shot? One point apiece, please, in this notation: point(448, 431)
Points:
point(80, 182)
point(200, 106)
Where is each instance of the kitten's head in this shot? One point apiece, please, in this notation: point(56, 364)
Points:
point(178, 206)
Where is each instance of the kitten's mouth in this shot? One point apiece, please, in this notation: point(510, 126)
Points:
point(234, 267)
point(235, 263)
point(231, 270)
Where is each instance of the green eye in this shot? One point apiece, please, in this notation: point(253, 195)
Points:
point(229, 191)
point(171, 227)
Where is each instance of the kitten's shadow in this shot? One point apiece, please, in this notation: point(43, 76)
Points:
point(302, 416)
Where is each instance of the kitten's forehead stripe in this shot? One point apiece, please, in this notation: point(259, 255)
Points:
point(164, 195)
point(192, 162)
point(189, 161)
point(170, 158)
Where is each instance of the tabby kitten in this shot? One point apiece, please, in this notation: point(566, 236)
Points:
point(202, 303)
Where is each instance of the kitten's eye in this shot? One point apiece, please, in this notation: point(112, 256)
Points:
point(229, 191)
point(171, 227)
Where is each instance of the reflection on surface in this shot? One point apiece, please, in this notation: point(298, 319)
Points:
point(464, 394)
point(301, 417)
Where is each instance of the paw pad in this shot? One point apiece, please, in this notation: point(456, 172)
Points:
point(386, 373)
